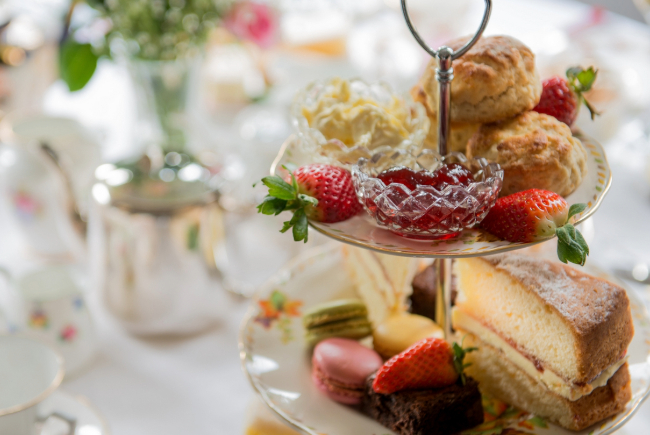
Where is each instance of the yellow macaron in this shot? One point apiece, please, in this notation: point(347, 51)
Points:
point(400, 331)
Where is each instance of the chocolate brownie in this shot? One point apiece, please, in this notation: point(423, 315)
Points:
point(440, 411)
point(423, 298)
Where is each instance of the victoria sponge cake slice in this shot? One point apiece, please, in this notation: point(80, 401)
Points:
point(552, 339)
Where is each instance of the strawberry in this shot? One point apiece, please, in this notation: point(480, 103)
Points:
point(430, 363)
point(534, 215)
point(561, 97)
point(319, 192)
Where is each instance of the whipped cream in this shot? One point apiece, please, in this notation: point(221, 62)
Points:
point(346, 116)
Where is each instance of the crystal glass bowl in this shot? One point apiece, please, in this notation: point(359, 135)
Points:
point(367, 114)
point(425, 212)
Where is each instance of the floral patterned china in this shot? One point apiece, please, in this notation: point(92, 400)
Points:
point(276, 358)
point(363, 231)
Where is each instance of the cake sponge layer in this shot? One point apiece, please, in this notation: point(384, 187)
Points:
point(574, 324)
point(500, 378)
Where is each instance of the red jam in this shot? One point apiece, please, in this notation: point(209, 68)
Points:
point(451, 174)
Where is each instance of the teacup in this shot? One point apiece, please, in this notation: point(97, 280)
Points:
point(47, 164)
point(48, 306)
point(29, 372)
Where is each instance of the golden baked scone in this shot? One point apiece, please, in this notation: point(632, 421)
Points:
point(460, 132)
point(534, 151)
point(495, 80)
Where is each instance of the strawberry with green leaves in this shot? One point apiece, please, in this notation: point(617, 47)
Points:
point(534, 215)
point(320, 192)
point(430, 363)
point(561, 98)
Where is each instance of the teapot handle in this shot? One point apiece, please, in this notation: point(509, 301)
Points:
point(80, 224)
point(4, 313)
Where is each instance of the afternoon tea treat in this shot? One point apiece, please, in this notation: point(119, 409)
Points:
point(535, 151)
point(495, 80)
point(427, 196)
point(382, 281)
point(423, 297)
point(347, 119)
point(400, 331)
point(551, 340)
point(320, 192)
point(340, 367)
point(341, 318)
point(562, 98)
point(535, 215)
point(423, 391)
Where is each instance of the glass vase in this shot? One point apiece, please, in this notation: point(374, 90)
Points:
point(163, 90)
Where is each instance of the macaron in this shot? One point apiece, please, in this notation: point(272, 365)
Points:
point(347, 318)
point(400, 331)
point(340, 367)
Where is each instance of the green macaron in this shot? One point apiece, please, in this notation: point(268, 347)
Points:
point(346, 318)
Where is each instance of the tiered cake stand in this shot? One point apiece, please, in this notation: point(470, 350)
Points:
point(276, 363)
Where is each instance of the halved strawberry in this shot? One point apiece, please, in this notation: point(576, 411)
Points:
point(534, 215)
point(430, 363)
point(561, 98)
point(320, 192)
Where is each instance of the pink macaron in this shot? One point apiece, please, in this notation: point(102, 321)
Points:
point(340, 367)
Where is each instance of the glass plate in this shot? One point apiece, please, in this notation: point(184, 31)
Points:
point(276, 359)
point(362, 230)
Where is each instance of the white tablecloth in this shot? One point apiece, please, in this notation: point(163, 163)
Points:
point(195, 385)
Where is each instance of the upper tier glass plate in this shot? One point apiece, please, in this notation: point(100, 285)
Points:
point(276, 358)
point(362, 230)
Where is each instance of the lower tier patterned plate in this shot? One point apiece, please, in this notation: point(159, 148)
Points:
point(277, 361)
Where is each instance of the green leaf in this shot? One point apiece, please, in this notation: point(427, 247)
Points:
point(459, 358)
point(286, 226)
point(272, 206)
point(277, 299)
point(575, 209)
point(279, 188)
point(571, 252)
point(309, 199)
point(582, 242)
point(77, 64)
point(538, 422)
point(300, 225)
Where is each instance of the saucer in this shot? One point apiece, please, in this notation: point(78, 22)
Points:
point(89, 420)
point(276, 358)
point(362, 230)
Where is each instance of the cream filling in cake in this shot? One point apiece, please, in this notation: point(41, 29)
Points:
point(535, 369)
point(382, 281)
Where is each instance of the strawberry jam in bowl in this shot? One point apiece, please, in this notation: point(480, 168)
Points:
point(427, 196)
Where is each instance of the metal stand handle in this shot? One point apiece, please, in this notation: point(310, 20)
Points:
point(445, 72)
point(444, 75)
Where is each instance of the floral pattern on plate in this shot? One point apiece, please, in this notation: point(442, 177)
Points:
point(280, 371)
point(362, 231)
point(279, 309)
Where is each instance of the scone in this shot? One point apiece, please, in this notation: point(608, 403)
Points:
point(534, 151)
point(496, 79)
point(551, 339)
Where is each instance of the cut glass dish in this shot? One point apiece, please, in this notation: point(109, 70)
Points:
point(363, 136)
point(426, 212)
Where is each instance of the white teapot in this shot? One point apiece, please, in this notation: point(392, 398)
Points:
point(46, 165)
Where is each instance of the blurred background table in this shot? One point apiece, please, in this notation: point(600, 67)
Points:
point(195, 385)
